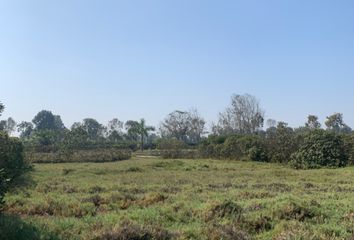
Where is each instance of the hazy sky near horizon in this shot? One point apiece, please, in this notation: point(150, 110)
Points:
point(134, 59)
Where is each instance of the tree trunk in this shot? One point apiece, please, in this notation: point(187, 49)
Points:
point(142, 143)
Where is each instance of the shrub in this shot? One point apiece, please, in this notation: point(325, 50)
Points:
point(130, 230)
point(12, 164)
point(227, 209)
point(244, 147)
point(13, 228)
point(281, 142)
point(253, 148)
point(94, 155)
point(249, 147)
point(292, 208)
point(320, 148)
point(348, 140)
point(226, 232)
point(174, 148)
point(212, 146)
point(231, 148)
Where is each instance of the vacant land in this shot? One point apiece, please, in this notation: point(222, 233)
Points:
point(152, 198)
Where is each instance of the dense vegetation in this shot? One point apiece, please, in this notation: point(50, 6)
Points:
point(12, 164)
point(238, 134)
point(177, 199)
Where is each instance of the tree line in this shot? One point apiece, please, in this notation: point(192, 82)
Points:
point(239, 132)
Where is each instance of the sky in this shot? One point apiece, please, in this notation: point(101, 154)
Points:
point(144, 59)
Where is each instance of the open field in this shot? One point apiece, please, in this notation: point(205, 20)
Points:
point(152, 198)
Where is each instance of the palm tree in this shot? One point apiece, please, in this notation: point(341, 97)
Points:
point(139, 129)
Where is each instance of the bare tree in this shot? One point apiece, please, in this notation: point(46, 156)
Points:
point(185, 126)
point(243, 116)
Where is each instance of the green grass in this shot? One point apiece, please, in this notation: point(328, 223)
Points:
point(186, 199)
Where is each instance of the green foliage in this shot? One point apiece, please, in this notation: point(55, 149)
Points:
point(139, 130)
point(281, 142)
point(249, 147)
point(174, 148)
point(336, 124)
point(46, 120)
point(12, 164)
point(92, 155)
point(171, 144)
point(320, 148)
point(348, 140)
point(13, 228)
point(3, 185)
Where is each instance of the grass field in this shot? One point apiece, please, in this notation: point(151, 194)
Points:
point(184, 199)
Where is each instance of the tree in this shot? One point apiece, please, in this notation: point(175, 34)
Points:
point(282, 142)
point(76, 138)
point(114, 130)
point(8, 125)
point(320, 148)
point(46, 120)
point(271, 123)
point(312, 122)
point(25, 129)
point(244, 116)
point(139, 129)
point(93, 128)
point(12, 164)
point(2, 107)
point(184, 126)
point(335, 123)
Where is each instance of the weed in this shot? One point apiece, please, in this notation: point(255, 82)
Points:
point(66, 171)
point(227, 209)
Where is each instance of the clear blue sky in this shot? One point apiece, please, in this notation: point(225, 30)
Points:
point(133, 59)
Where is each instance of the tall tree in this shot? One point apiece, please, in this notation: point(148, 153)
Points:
point(46, 120)
point(312, 122)
point(184, 126)
point(2, 107)
point(8, 126)
point(336, 123)
point(244, 116)
point(114, 130)
point(271, 123)
point(281, 141)
point(139, 129)
point(93, 128)
point(25, 129)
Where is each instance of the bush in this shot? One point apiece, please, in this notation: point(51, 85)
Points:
point(249, 147)
point(95, 155)
point(320, 148)
point(12, 164)
point(348, 140)
point(210, 150)
point(172, 148)
point(282, 142)
point(130, 230)
point(13, 228)
point(231, 148)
